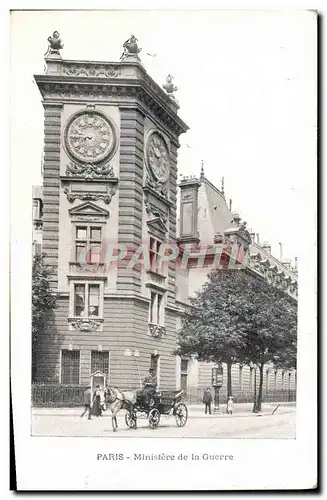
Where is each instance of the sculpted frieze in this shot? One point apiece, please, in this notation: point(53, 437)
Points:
point(90, 70)
point(156, 330)
point(85, 324)
point(90, 196)
point(89, 171)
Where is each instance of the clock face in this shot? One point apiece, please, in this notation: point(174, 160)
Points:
point(157, 156)
point(90, 137)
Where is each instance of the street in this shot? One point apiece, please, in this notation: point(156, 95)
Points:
point(242, 424)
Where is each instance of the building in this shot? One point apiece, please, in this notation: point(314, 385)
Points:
point(108, 212)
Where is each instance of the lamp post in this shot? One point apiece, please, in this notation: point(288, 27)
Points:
point(217, 374)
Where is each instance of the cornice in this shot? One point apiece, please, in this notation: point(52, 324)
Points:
point(122, 91)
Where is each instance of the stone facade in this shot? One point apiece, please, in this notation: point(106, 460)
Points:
point(122, 315)
point(123, 201)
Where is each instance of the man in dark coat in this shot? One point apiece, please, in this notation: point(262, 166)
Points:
point(207, 399)
point(87, 402)
point(149, 386)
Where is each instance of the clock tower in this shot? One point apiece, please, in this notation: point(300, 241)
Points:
point(111, 136)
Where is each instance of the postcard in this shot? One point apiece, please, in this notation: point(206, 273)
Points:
point(163, 307)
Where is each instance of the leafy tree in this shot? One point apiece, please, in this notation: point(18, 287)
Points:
point(272, 330)
point(237, 317)
point(213, 328)
point(43, 301)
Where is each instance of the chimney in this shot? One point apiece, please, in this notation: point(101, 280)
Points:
point(280, 251)
point(252, 237)
point(295, 263)
point(230, 204)
point(266, 247)
point(258, 240)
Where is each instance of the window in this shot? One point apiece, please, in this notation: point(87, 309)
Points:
point(70, 367)
point(100, 361)
point(155, 255)
point(86, 300)
point(156, 313)
point(88, 244)
point(184, 365)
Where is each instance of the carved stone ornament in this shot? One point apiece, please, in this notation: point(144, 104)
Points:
point(100, 71)
point(156, 330)
point(157, 186)
point(55, 44)
point(85, 324)
point(90, 171)
point(157, 156)
point(90, 196)
point(90, 136)
point(169, 86)
point(153, 210)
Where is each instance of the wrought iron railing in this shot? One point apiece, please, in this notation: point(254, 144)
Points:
point(195, 396)
point(57, 395)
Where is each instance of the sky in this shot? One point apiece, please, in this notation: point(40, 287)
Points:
point(246, 88)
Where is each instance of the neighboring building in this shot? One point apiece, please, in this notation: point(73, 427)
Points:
point(37, 219)
point(206, 226)
point(109, 187)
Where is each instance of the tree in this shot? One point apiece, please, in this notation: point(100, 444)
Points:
point(237, 317)
point(213, 328)
point(272, 330)
point(43, 301)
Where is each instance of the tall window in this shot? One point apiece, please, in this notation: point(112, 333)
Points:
point(70, 361)
point(86, 300)
point(156, 313)
point(88, 244)
point(100, 361)
point(155, 255)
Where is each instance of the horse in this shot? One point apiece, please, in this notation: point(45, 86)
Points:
point(117, 400)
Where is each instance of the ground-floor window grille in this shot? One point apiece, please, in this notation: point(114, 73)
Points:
point(70, 364)
point(100, 361)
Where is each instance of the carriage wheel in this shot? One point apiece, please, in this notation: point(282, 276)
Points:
point(130, 419)
point(154, 418)
point(181, 415)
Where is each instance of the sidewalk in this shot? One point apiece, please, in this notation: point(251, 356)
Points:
point(194, 411)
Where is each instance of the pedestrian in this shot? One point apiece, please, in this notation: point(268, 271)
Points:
point(230, 405)
point(207, 400)
point(87, 402)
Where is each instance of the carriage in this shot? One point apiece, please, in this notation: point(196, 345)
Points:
point(159, 403)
